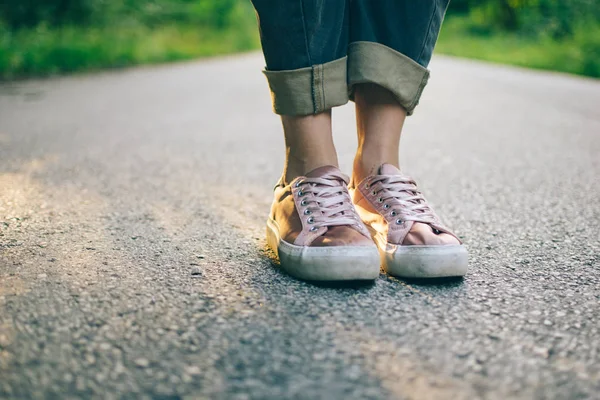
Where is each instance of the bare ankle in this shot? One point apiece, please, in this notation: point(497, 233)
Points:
point(379, 121)
point(309, 144)
point(300, 166)
point(361, 170)
point(366, 163)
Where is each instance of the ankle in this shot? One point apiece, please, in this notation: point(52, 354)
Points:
point(297, 166)
point(309, 144)
point(368, 164)
point(360, 170)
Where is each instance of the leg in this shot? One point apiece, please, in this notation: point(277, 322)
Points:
point(313, 226)
point(379, 122)
point(308, 143)
point(391, 44)
point(305, 43)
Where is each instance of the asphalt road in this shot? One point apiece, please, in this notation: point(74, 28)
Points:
point(133, 261)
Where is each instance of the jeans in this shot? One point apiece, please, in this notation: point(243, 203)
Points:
point(316, 51)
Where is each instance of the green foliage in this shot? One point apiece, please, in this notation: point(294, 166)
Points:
point(29, 13)
point(562, 35)
point(46, 51)
point(44, 40)
point(219, 14)
point(39, 37)
point(555, 18)
point(578, 54)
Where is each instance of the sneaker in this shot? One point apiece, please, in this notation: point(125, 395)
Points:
point(316, 233)
point(412, 240)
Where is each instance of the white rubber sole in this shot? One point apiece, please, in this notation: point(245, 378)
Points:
point(423, 261)
point(343, 263)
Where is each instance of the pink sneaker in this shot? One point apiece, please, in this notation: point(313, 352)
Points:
point(411, 239)
point(315, 230)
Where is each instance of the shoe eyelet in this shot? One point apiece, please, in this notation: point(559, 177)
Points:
point(300, 193)
point(313, 228)
point(398, 221)
point(393, 213)
point(310, 220)
point(380, 199)
point(307, 212)
point(297, 184)
point(386, 206)
point(367, 185)
point(303, 203)
point(373, 193)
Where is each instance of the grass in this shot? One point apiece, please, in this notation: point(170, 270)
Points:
point(579, 54)
point(43, 51)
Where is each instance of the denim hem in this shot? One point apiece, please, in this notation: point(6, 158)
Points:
point(309, 90)
point(370, 62)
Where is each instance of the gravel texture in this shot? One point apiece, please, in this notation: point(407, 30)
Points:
point(133, 260)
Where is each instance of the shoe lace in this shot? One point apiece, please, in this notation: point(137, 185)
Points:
point(400, 194)
point(330, 203)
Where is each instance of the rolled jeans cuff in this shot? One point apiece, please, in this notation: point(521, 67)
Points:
point(370, 62)
point(309, 90)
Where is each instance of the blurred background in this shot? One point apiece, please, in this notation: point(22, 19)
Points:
point(45, 37)
point(132, 211)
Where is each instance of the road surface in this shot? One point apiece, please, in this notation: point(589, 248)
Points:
point(133, 261)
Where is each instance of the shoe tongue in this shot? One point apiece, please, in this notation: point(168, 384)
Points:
point(389, 169)
point(325, 170)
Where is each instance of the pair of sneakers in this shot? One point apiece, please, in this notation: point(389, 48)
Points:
point(324, 231)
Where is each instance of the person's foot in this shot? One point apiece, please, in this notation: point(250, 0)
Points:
point(412, 241)
point(314, 229)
